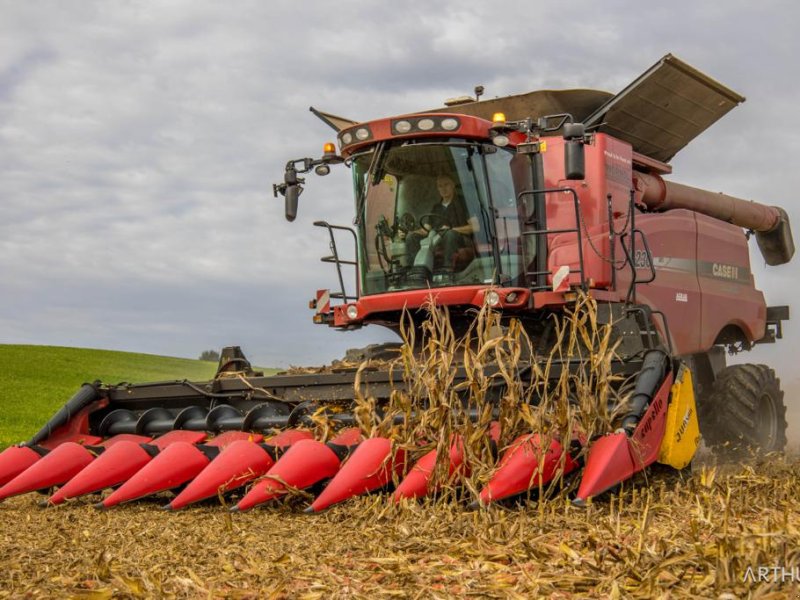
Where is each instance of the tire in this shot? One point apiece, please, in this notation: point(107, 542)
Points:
point(744, 413)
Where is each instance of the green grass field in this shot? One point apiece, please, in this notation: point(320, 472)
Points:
point(35, 381)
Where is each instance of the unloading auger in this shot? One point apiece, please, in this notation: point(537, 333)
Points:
point(532, 206)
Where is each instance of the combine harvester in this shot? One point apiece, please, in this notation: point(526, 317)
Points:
point(555, 197)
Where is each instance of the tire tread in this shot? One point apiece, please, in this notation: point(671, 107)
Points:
point(729, 414)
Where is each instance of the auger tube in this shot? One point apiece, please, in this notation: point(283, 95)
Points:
point(654, 368)
point(770, 223)
point(86, 395)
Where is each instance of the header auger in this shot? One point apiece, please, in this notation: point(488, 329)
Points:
point(507, 226)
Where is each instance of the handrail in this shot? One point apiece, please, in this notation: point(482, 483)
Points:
point(537, 232)
point(334, 258)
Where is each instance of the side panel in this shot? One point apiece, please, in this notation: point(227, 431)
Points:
point(606, 188)
point(729, 296)
point(672, 238)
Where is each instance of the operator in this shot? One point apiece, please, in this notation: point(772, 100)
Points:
point(455, 225)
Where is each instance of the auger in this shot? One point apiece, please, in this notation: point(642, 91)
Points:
point(540, 208)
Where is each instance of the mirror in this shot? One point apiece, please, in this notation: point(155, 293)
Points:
point(574, 160)
point(574, 157)
point(292, 193)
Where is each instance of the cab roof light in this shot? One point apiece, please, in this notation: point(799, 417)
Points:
point(403, 126)
point(424, 124)
point(359, 133)
point(450, 124)
point(499, 118)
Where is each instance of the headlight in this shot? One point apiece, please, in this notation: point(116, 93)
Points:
point(352, 311)
point(425, 124)
point(501, 140)
point(492, 298)
point(362, 133)
point(402, 126)
point(347, 138)
point(450, 124)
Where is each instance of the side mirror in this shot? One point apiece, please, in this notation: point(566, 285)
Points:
point(291, 191)
point(574, 155)
point(291, 194)
point(292, 185)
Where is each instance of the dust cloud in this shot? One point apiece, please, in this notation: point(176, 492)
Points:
point(792, 400)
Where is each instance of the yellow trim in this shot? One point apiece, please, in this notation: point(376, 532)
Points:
point(682, 434)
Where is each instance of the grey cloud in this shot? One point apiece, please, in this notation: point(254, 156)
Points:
point(139, 141)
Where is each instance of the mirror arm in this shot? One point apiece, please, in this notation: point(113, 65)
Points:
point(292, 185)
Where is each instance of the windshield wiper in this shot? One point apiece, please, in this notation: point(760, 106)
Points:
point(376, 161)
point(491, 223)
point(378, 164)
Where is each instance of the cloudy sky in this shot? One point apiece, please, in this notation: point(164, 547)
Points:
point(139, 142)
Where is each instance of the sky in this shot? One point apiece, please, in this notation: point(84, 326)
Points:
point(139, 142)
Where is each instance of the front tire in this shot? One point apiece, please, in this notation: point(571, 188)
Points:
point(745, 412)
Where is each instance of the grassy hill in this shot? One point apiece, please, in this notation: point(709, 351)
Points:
point(35, 381)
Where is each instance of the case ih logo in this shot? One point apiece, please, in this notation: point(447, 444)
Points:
point(725, 271)
point(732, 273)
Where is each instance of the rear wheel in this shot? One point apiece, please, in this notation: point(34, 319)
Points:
point(744, 412)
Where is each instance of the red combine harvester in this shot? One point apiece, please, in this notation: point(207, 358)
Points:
point(523, 203)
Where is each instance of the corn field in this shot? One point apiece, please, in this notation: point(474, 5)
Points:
point(669, 534)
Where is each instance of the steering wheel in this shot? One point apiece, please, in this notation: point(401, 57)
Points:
point(434, 221)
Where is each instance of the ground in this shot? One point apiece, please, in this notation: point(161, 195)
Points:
point(676, 537)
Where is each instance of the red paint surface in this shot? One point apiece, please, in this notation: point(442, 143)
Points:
point(616, 457)
point(236, 465)
point(175, 465)
point(371, 466)
point(57, 467)
point(15, 460)
point(527, 465)
point(307, 462)
point(417, 483)
point(178, 435)
point(114, 466)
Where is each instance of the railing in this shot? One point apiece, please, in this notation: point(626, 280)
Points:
point(630, 253)
point(335, 259)
point(647, 326)
point(540, 275)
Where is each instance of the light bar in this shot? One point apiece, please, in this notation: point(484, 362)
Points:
point(424, 124)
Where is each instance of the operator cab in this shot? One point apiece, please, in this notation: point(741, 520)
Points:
point(436, 213)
